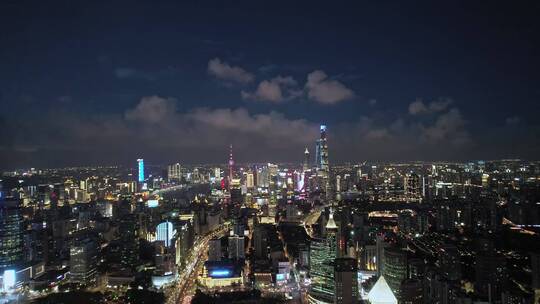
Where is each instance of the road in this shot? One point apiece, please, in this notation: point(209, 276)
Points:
point(169, 189)
point(182, 292)
point(312, 217)
point(299, 289)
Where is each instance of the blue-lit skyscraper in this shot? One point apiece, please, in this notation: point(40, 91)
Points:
point(321, 151)
point(141, 169)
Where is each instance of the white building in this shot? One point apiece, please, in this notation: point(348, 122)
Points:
point(381, 293)
point(174, 172)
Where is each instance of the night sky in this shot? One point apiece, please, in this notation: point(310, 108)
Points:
point(93, 82)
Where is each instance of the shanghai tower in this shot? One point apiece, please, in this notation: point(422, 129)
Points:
point(322, 151)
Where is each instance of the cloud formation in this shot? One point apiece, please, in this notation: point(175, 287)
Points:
point(152, 109)
point(419, 107)
point(226, 72)
point(156, 130)
point(277, 89)
point(326, 91)
point(447, 128)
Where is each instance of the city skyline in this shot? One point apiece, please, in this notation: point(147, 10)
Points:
point(96, 84)
point(295, 233)
point(277, 152)
point(320, 160)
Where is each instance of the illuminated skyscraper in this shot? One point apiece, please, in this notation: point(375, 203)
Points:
point(174, 172)
point(322, 151)
point(250, 180)
point(82, 260)
point(306, 160)
point(411, 185)
point(140, 161)
point(395, 268)
point(165, 232)
point(263, 177)
point(322, 255)
point(231, 165)
point(11, 234)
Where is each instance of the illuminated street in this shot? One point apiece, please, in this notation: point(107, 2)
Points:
point(183, 290)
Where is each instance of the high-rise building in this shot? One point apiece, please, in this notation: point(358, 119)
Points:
point(291, 212)
point(535, 266)
point(411, 291)
point(184, 240)
point(346, 280)
point(450, 262)
point(395, 268)
point(140, 163)
point(322, 151)
point(306, 165)
point(368, 258)
point(490, 275)
point(165, 232)
point(105, 208)
point(263, 177)
point(412, 186)
point(231, 165)
point(82, 261)
point(381, 245)
point(236, 247)
point(11, 234)
point(322, 255)
point(250, 180)
point(272, 169)
point(214, 250)
point(174, 172)
point(217, 173)
point(260, 242)
point(129, 240)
